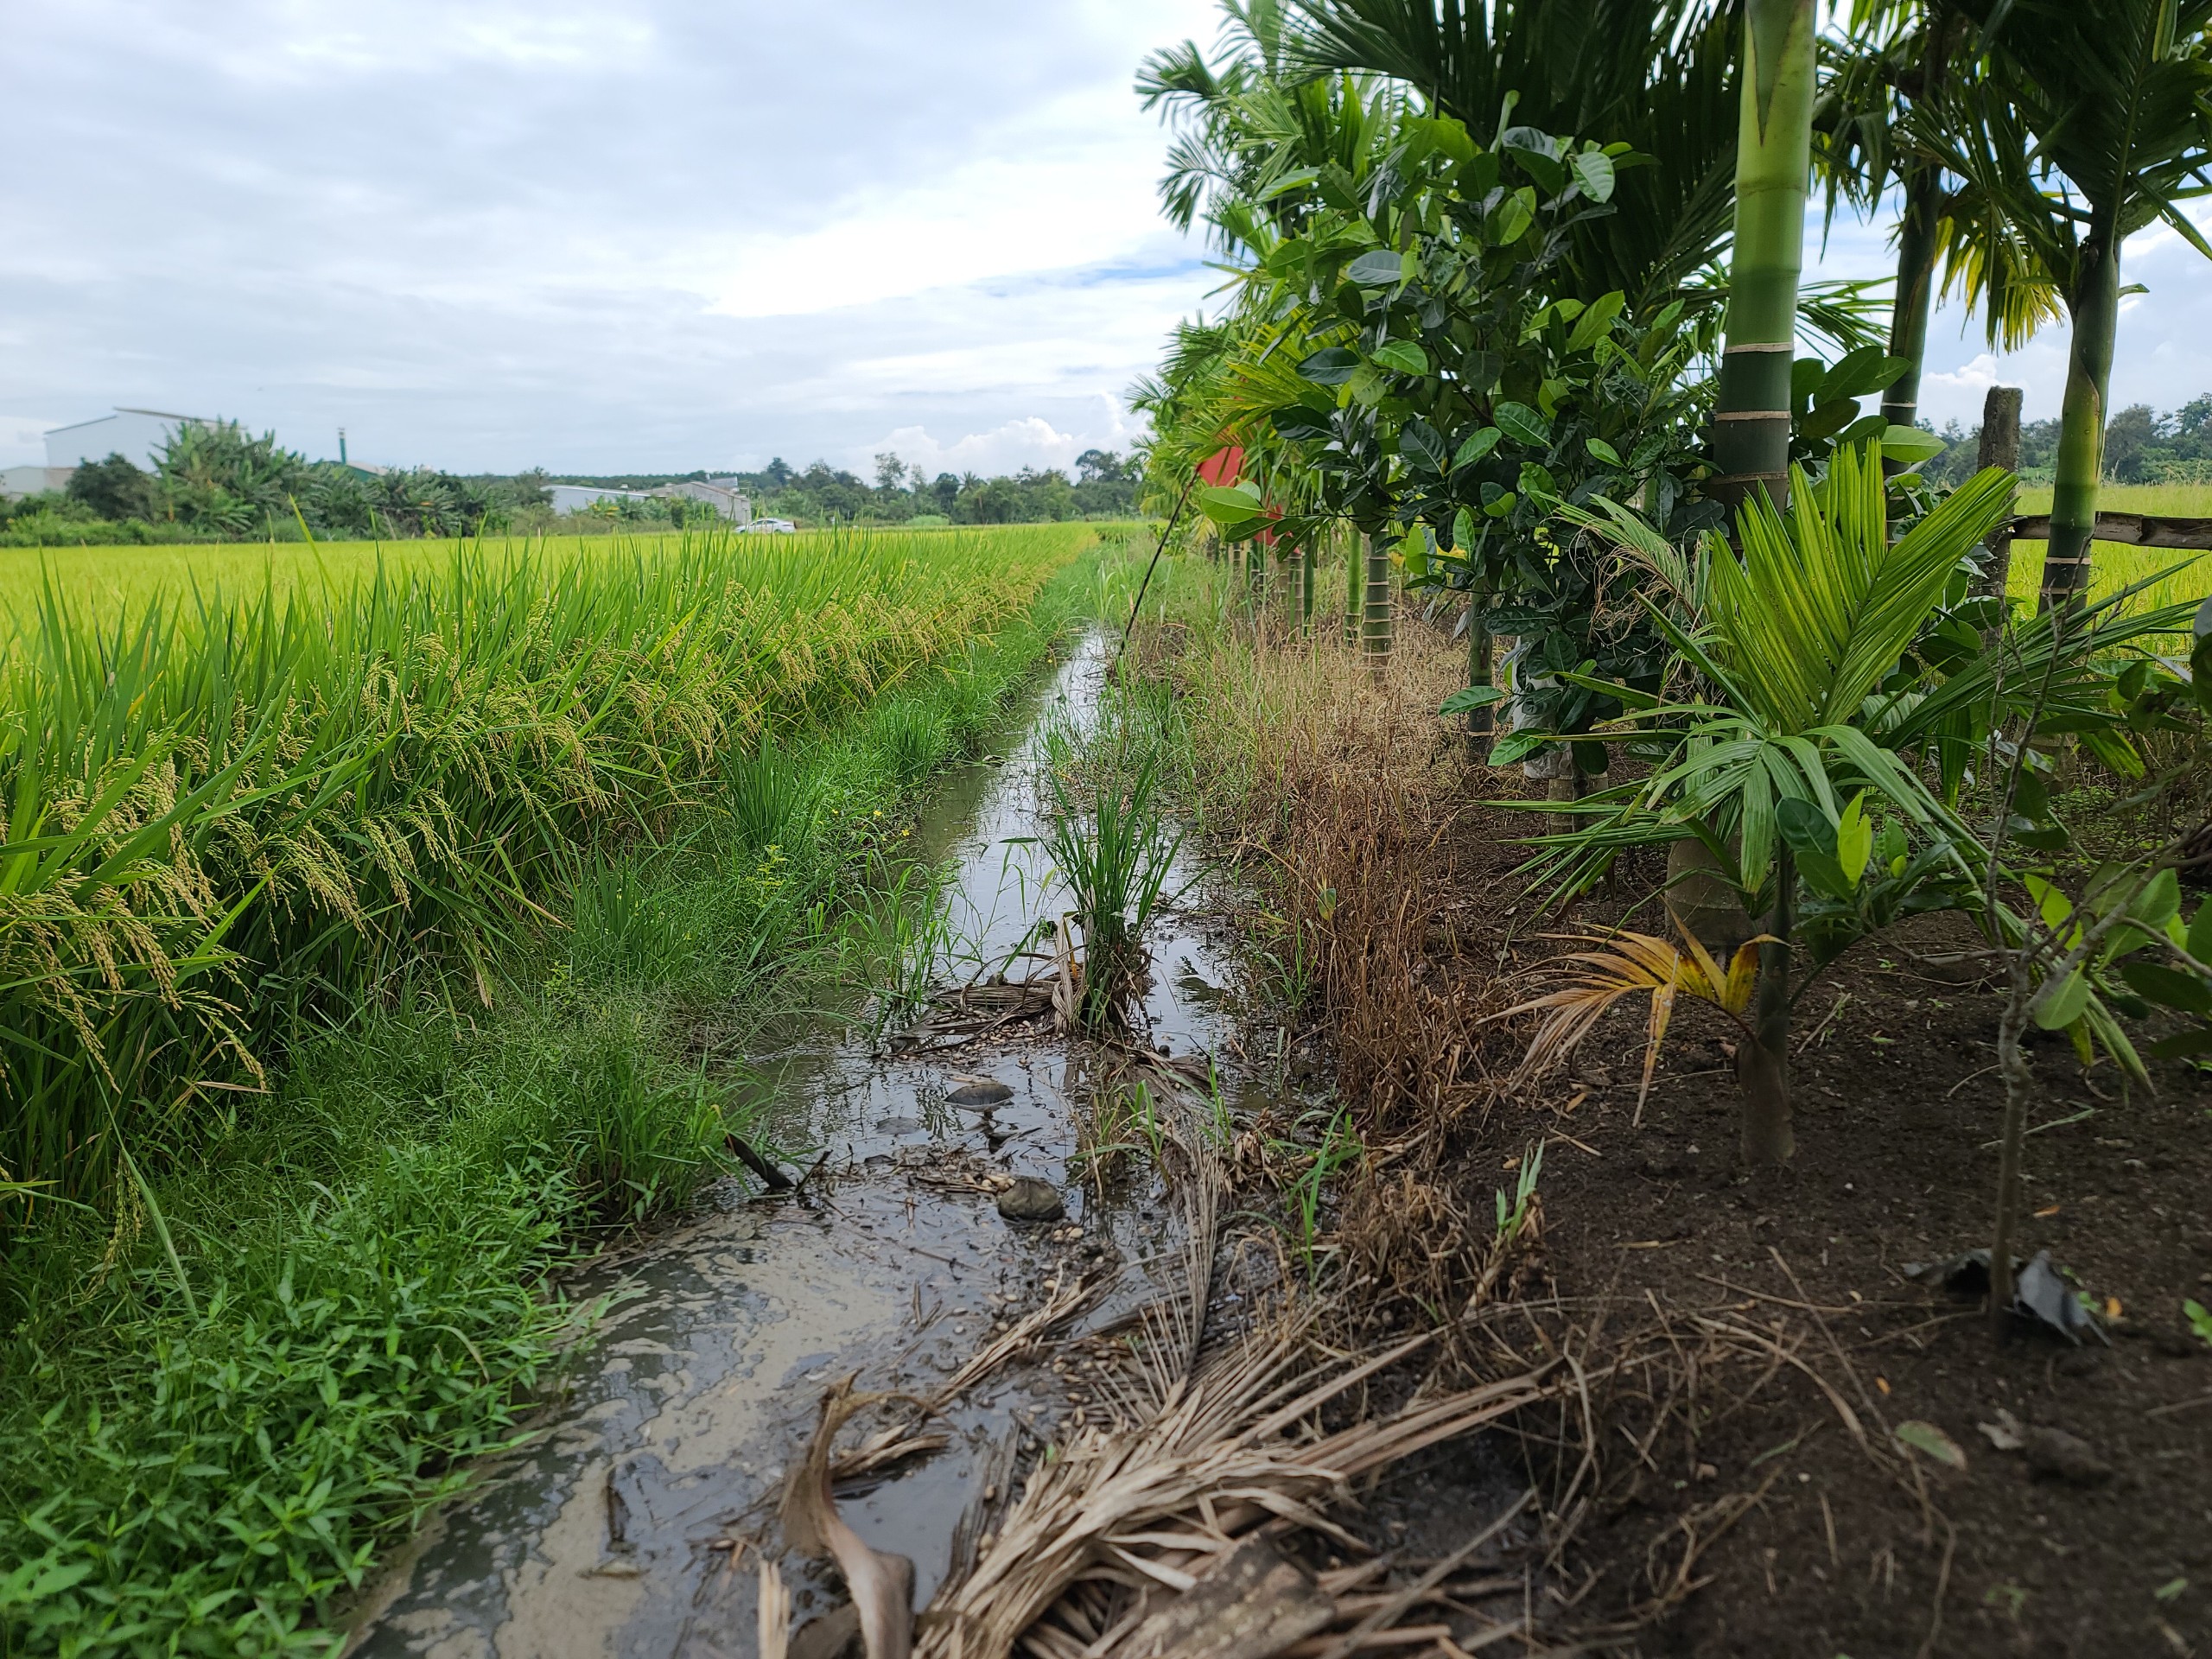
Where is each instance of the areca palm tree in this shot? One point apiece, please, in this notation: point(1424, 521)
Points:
point(2089, 124)
point(1894, 56)
point(1781, 774)
point(1752, 415)
point(1656, 74)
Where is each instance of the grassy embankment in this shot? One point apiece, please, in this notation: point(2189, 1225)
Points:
point(350, 945)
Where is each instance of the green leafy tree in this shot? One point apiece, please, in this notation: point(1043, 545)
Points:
point(216, 476)
point(115, 489)
point(1658, 76)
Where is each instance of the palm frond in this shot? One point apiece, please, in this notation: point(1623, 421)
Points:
point(1588, 983)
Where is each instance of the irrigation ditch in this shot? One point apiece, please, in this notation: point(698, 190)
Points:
point(1081, 1378)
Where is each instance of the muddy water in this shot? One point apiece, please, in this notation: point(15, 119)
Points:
point(611, 1533)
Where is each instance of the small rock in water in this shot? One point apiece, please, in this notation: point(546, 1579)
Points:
point(898, 1126)
point(1031, 1199)
point(2059, 1456)
point(987, 1092)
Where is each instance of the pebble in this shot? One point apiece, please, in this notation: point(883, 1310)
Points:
point(2056, 1455)
point(1031, 1199)
point(980, 1093)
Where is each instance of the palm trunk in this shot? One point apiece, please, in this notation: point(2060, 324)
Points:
point(1352, 593)
point(1375, 629)
point(1999, 447)
point(1774, 150)
point(1482, 670)
point(2095, 311)
point(1914, 290)
point(1305, 588)
point(1763, 1061)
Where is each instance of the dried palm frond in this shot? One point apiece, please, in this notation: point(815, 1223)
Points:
point(775, 1613)
point(1150, 1506)
point(882, 1586)
point(1633, 964)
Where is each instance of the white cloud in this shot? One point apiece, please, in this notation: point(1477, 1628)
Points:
point(1027, 442)
point(589, 234)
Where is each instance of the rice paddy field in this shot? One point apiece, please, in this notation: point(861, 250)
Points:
point(2119, 564)
point(106, 581)
point(360, 910)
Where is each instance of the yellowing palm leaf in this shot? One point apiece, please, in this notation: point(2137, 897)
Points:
point(1588, 982)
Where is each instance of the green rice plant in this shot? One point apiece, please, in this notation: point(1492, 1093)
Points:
point(224, 815)
point(768, 800)
point(1513, 1219)
point(642, 1145)
point(913, 735)
point(196, 1455)
point(904, 932)
point(1113, 848)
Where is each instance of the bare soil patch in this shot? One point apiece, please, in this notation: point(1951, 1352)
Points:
point(1731, 1481)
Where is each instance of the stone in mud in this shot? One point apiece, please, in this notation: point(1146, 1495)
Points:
point(986, 1093)
point(1031, 1199)
point(2056, 1455)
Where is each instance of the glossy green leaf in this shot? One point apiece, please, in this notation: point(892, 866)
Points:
point(1469, 698)
point(2200, 933)
point(1402, 356)
point(1377, 268)
point(2169, 988)
point(1331, 366)
point(2060, 1002)
point(1238, 504)
point(1477, 445)
point(1593, 171)
point(1522, 425)
point(1598, 320)
point(1911, 445)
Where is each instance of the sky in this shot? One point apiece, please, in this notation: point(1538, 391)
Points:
point(663, 234)
point(596, 237)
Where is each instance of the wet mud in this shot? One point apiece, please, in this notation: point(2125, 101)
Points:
point(624, 1527)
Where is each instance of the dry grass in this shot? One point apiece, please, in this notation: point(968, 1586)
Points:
point(1212, 1460)
point(1351, 803)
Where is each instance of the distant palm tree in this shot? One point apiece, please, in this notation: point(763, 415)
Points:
point(1893, 57)
point(2088, 123)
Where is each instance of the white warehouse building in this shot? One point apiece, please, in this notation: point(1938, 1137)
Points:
point(720, 493)
point(137, 434)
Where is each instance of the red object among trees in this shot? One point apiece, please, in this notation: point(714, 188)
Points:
point(1223, 468)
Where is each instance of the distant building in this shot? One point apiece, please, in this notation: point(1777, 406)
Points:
point(720, 493)
point(16, 482)
point(137, 434)
point(576, 498)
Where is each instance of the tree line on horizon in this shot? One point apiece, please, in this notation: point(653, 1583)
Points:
point(218, 482)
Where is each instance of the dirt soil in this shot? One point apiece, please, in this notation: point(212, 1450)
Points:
point(1754, 1343)
point(1896, 1112)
